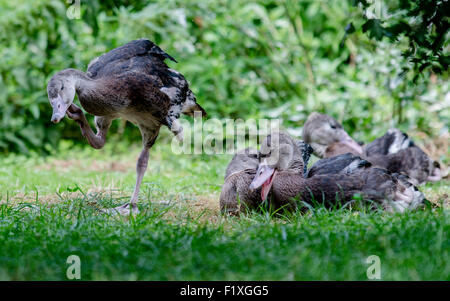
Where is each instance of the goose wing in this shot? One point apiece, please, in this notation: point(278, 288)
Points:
point(390, 143)
point(342, 164)
point(137, 54)
point(144, 58)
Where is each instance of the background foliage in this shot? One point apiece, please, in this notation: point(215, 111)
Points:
point(423, 23)
point(244, 59)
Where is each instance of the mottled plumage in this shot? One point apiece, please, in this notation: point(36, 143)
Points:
point(390, 143)
point(394, 151)
point(130, 82)
point(335, 180)
point(411, 161)
point(107, 63)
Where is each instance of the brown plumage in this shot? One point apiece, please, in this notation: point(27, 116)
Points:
point(282, 176)
point(393, 151)
point(130, 82)
point(236, 197)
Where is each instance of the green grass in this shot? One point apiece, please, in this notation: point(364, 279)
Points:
point(49, 210)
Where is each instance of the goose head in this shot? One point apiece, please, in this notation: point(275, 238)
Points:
point(436, 173)
point(327, 137)
point(419, 166)
point(61, 92)
point(245, 160)
point(239, 174)
point(279, 152)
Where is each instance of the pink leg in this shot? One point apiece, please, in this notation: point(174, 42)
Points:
point(141, 167)
point(149, 138)
point(102, 124)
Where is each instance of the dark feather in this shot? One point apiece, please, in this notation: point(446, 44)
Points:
point(158, 52)
point(338, 164)
point(141, 62)
point(394, 139)
point(136, 48)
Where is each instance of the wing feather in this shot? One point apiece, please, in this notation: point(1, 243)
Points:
point(123, 56)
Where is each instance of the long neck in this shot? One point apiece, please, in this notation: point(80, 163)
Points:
point(81, 81)
point(94, 97)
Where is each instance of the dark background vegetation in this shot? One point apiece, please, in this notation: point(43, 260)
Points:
point(371, 65)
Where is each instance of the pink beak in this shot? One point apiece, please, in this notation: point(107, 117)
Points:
point(352, 144)
point(264, 177)
point(436, 174)
point(59, 109)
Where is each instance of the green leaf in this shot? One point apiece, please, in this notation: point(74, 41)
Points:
point(375, 29)
point(17, 141)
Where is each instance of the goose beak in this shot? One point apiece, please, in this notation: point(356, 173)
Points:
point(436, 174)
point(347, 140)
point(264, 177)
point(59, 109)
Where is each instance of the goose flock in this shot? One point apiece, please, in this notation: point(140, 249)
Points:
point(275, 176)
point(393, 151)
point(134, 83)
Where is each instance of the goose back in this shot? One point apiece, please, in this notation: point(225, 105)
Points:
point(138, 71)
point(336, 180)
point(390, 191)
point(108, 63)
point(342, 164)
point(393, 141)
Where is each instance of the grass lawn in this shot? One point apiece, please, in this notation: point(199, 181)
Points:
point(49, 210)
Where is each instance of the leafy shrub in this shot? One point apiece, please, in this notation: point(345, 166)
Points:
point(268, 58)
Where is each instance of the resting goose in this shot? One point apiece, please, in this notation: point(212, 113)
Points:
point(393, 151)
point(280, 172)
point(236, 197)
point(130, 82)
point(348, 163)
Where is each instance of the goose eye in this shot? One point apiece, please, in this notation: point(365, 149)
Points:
point(333, 126)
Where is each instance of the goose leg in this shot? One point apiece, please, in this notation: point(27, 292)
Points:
point(102, 124)
point(141, 167)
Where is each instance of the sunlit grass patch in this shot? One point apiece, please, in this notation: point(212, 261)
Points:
point(47, 214)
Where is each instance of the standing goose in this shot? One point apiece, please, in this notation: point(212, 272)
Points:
point(280, 172)
point(393, 151)
point(130, 82)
